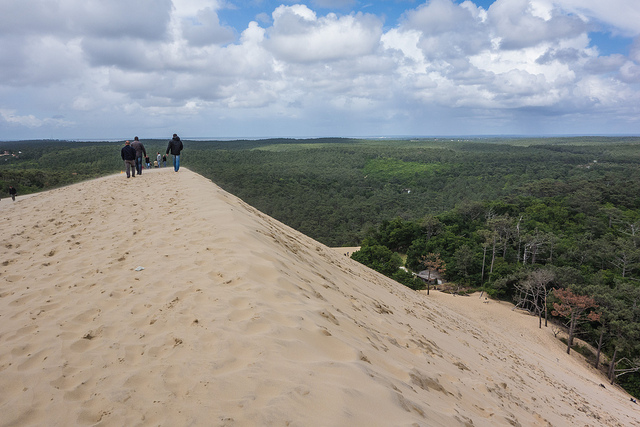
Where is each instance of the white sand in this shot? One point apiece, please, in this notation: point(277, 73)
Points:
point(238, 320)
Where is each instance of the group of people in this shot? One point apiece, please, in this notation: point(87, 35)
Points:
point(132, 153)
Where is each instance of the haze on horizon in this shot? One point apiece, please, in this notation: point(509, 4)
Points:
point(87, 69)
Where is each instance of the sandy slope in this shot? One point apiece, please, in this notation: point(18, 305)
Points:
point(238, 320)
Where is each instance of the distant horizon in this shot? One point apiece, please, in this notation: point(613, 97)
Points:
point(370, 137)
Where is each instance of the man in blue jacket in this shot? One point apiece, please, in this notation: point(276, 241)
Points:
point(128, 154)
point(175, 146)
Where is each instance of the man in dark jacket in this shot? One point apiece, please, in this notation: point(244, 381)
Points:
point(175, 146)
point(128, 154)
point(140, 151)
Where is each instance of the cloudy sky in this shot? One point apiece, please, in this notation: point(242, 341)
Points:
point(259, 68)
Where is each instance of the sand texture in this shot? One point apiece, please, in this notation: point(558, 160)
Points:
point(165, 301)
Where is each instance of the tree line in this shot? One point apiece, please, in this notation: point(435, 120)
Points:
point(556, 247)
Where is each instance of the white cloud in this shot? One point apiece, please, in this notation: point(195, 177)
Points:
point(630, 72)
point(297, 35)
point(30, 121)
point(147, 19)
point(34, 61)
point(190, 8)
point(619, 16)
point(442, 16)
point(83, 102)
point(634, 53)
point(519, 25)
point(144, 19)
point(333, 4)
point(206, 29)
point(152, 63)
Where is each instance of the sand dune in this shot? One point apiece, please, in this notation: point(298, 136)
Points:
point(163, 300)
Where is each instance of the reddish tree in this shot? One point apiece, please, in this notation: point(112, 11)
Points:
point(576, 308)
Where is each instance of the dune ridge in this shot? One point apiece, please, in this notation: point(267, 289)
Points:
point(164, 300)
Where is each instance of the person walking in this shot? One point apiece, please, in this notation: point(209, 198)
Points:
point(164, 160)
point(158, 160)
point(175, 146)
point(13, 192)
point(128, 154)
point(140, 152)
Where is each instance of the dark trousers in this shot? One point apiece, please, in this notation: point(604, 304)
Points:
point(129, 166)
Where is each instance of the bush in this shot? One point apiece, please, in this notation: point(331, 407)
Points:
point(380, 258)
point(408, 279)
